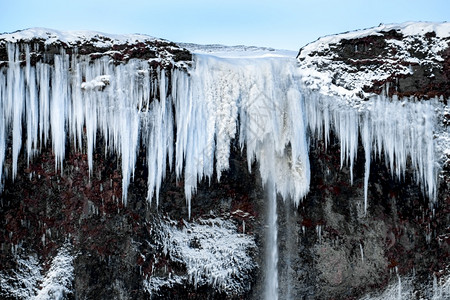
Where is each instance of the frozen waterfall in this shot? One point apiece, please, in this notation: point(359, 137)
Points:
point(187, 120)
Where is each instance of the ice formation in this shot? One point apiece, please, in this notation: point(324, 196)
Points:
point(213, 252)
point(399, 132)
point(119, 101)
point(187, 120)
point(412, 288)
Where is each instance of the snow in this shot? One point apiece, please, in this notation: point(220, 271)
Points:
point(442, 30)
point(98, 83)
point(57, 283)
point(239, 51)
point(22, 282)
point(102, 40)
point(29, 281)
point(213, 252)
point(155, 283)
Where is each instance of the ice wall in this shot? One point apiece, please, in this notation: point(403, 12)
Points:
point(189, 119)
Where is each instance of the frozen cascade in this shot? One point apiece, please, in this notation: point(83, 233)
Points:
point(255, 101)
point(400, 131)
point(263, 99)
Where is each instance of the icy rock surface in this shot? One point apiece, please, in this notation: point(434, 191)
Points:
point(409, 288)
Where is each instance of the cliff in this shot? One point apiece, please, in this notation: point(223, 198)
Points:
point(136, 169)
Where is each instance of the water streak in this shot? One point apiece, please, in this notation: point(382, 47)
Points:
point(271, 292)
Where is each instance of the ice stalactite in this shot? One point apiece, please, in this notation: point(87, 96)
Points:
point(187, 120)
point(74, 97)
point(366, 137)
point(399, 131)
point(133, 105)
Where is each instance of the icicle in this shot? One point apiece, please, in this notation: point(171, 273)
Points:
point(362, 252)
point(15, 99)
point(3, 134)
point(31, 106)
point(44, 101)
point(58, 107)
point(366, 137)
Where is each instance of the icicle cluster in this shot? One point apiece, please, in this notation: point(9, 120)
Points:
point(118, 101)
point(75, 95)
point(400, 132)
point(257, 102)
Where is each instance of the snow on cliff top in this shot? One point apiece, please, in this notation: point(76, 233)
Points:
point(349, 64)
point(239, 51)
point(119, 48)
point(50, 36)
point(442, 30)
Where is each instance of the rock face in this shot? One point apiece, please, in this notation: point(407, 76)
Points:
point(67, 233)
point(410, 59)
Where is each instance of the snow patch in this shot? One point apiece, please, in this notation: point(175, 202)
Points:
point(239, 51)
point(98, 82)
point(23, 281)
point(58, 280)
point(28, 280)
point(213, 252)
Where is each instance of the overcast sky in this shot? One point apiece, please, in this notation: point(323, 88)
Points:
point(283, 24)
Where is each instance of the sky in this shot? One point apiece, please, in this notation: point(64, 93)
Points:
point(281, 24)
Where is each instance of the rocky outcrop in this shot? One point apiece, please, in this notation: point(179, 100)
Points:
point(410, 59)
